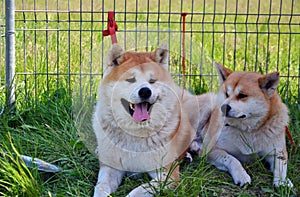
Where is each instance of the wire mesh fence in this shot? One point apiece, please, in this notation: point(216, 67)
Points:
point(60, 49)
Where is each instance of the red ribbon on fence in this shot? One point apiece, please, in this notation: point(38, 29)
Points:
point(112, 27)
point(183, 15)
point(290, 138)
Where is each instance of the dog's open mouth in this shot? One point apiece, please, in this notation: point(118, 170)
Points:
point(140, 111)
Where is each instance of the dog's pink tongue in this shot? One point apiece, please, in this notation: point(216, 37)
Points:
point(140, 112)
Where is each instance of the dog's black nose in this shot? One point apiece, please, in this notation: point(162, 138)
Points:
point(225, 109)
point(145, 93)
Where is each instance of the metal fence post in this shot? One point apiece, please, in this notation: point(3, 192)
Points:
point(10, 51)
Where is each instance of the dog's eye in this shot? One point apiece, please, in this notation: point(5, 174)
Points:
point(151, 81)
point(241, 95)
point(131, 80)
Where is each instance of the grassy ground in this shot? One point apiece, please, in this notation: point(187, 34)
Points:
point(49, 133)
point(52, 70)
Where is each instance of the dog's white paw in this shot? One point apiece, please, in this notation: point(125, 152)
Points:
point(277, 182)
point(99, 192)
point(241, 178)
point(140, 192)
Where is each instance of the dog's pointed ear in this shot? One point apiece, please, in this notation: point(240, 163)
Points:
point(269, 83)
point(161, 55)
point(114, 56)
point(222, 72)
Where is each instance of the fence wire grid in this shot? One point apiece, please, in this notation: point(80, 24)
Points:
point(60, 49)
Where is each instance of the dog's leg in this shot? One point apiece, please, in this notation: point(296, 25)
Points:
point(278, 165)
point(214, 128)
point(160, 179)
point(109, 180)
point(226, 162)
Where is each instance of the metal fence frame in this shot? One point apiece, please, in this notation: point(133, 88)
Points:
point(59, 21)
point(10, 51)
point(2, 58)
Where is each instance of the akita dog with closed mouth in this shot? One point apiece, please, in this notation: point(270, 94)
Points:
point(254, 121)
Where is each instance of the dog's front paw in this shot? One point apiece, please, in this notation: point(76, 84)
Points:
point(279, 182)
point(100, 192)
point(241, 178)
point(140, 191)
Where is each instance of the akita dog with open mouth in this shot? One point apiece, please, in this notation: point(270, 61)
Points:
point(139, 120)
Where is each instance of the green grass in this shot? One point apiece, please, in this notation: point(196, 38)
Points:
point(16, 178)
point(49, 124)
point(50, 134)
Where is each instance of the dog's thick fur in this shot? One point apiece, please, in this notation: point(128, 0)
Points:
point(254, 121)
point(147, 118)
